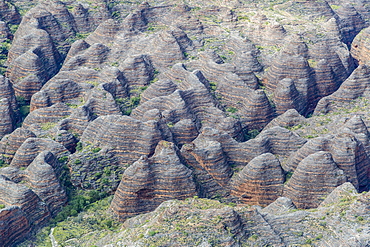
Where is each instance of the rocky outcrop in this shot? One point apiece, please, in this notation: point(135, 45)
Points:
point(6, 119)
point(13, 194)
point(260, 182)
point(149, 182)
point(15, 226)
point(348, 153)
point(31, 148)
point(287, 97)
point(360, 47)
point(129, 138)
point(356, 85)
point(10, 143)
point(41, 178)
point(288, 119)
point(316, 176)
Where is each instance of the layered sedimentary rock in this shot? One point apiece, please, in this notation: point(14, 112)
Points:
point(13, 194)
point(6, 120)
point(129, 138)
point(10, 143)
point(41, 178)
point(316, 176)
point(31, 148)
point(6, 91)
point(15, 225)
point(288, 119)
point(360, 47)
point(47, 115)
point(148, 182)
point(348, 153)
point(260, 182)
point(287, 97)
point(210, 165)
point(356, 85)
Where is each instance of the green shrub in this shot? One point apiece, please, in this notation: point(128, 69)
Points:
point(2, 206)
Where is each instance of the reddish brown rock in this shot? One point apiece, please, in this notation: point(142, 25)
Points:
point(15, 226)
point(287, 97)
point(40, 177)
point(260, 182)
point(31, 148)
point(360, 47)
point(129, 138)
point(12, 194)
point(210, 165)
point(316, 176)
point(289, 118)
point(9, 144)
point(149, 182)
point(6, 119)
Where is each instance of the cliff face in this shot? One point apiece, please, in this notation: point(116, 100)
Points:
point(243, 102)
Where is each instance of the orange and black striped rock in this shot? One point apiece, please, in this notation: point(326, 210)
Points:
point(348, 153)
point(172, 107)
point(138, 71)
point(15, 226)
point(10, 143)
point(252, 106)
point(260, 182)
point(67, 139)
point(315, 177)
point(114, 82)
point(6, 91)
point(78, 121)
point(287, 97)
point(40, 177)
point(129, 138)
point(165, 49)
point(356, 85)
point(31, 148)
point(295, 67)
point(57, 91)
point(332, 64)
point(9, 13)
point(210, 164)
point(245, 60)
point(149, 182)
point(76, 48)
point(360, 47)
point(276, 140)
point(6, 117)
point(350, 21)
point(184, 131)
point(160, 88)
point(46, 115)
point(136, 21)
point(13, 194)
point(289, 118)
point(359, 128)
point(104, 33)
point(101, 103)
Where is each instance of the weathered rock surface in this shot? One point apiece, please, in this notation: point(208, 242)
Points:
point(15, 225)
point(129, 138)
point(315, 176)
point(260, 182)
point(149, 182)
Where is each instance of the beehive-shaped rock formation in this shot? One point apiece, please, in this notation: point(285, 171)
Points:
point(10, 143)
point(129, 138)
point(41, 178)
point(260, 182)
point(12, 194)
point(31, 148)
point(149, 182)
point(15, 225)
point(316, 176)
